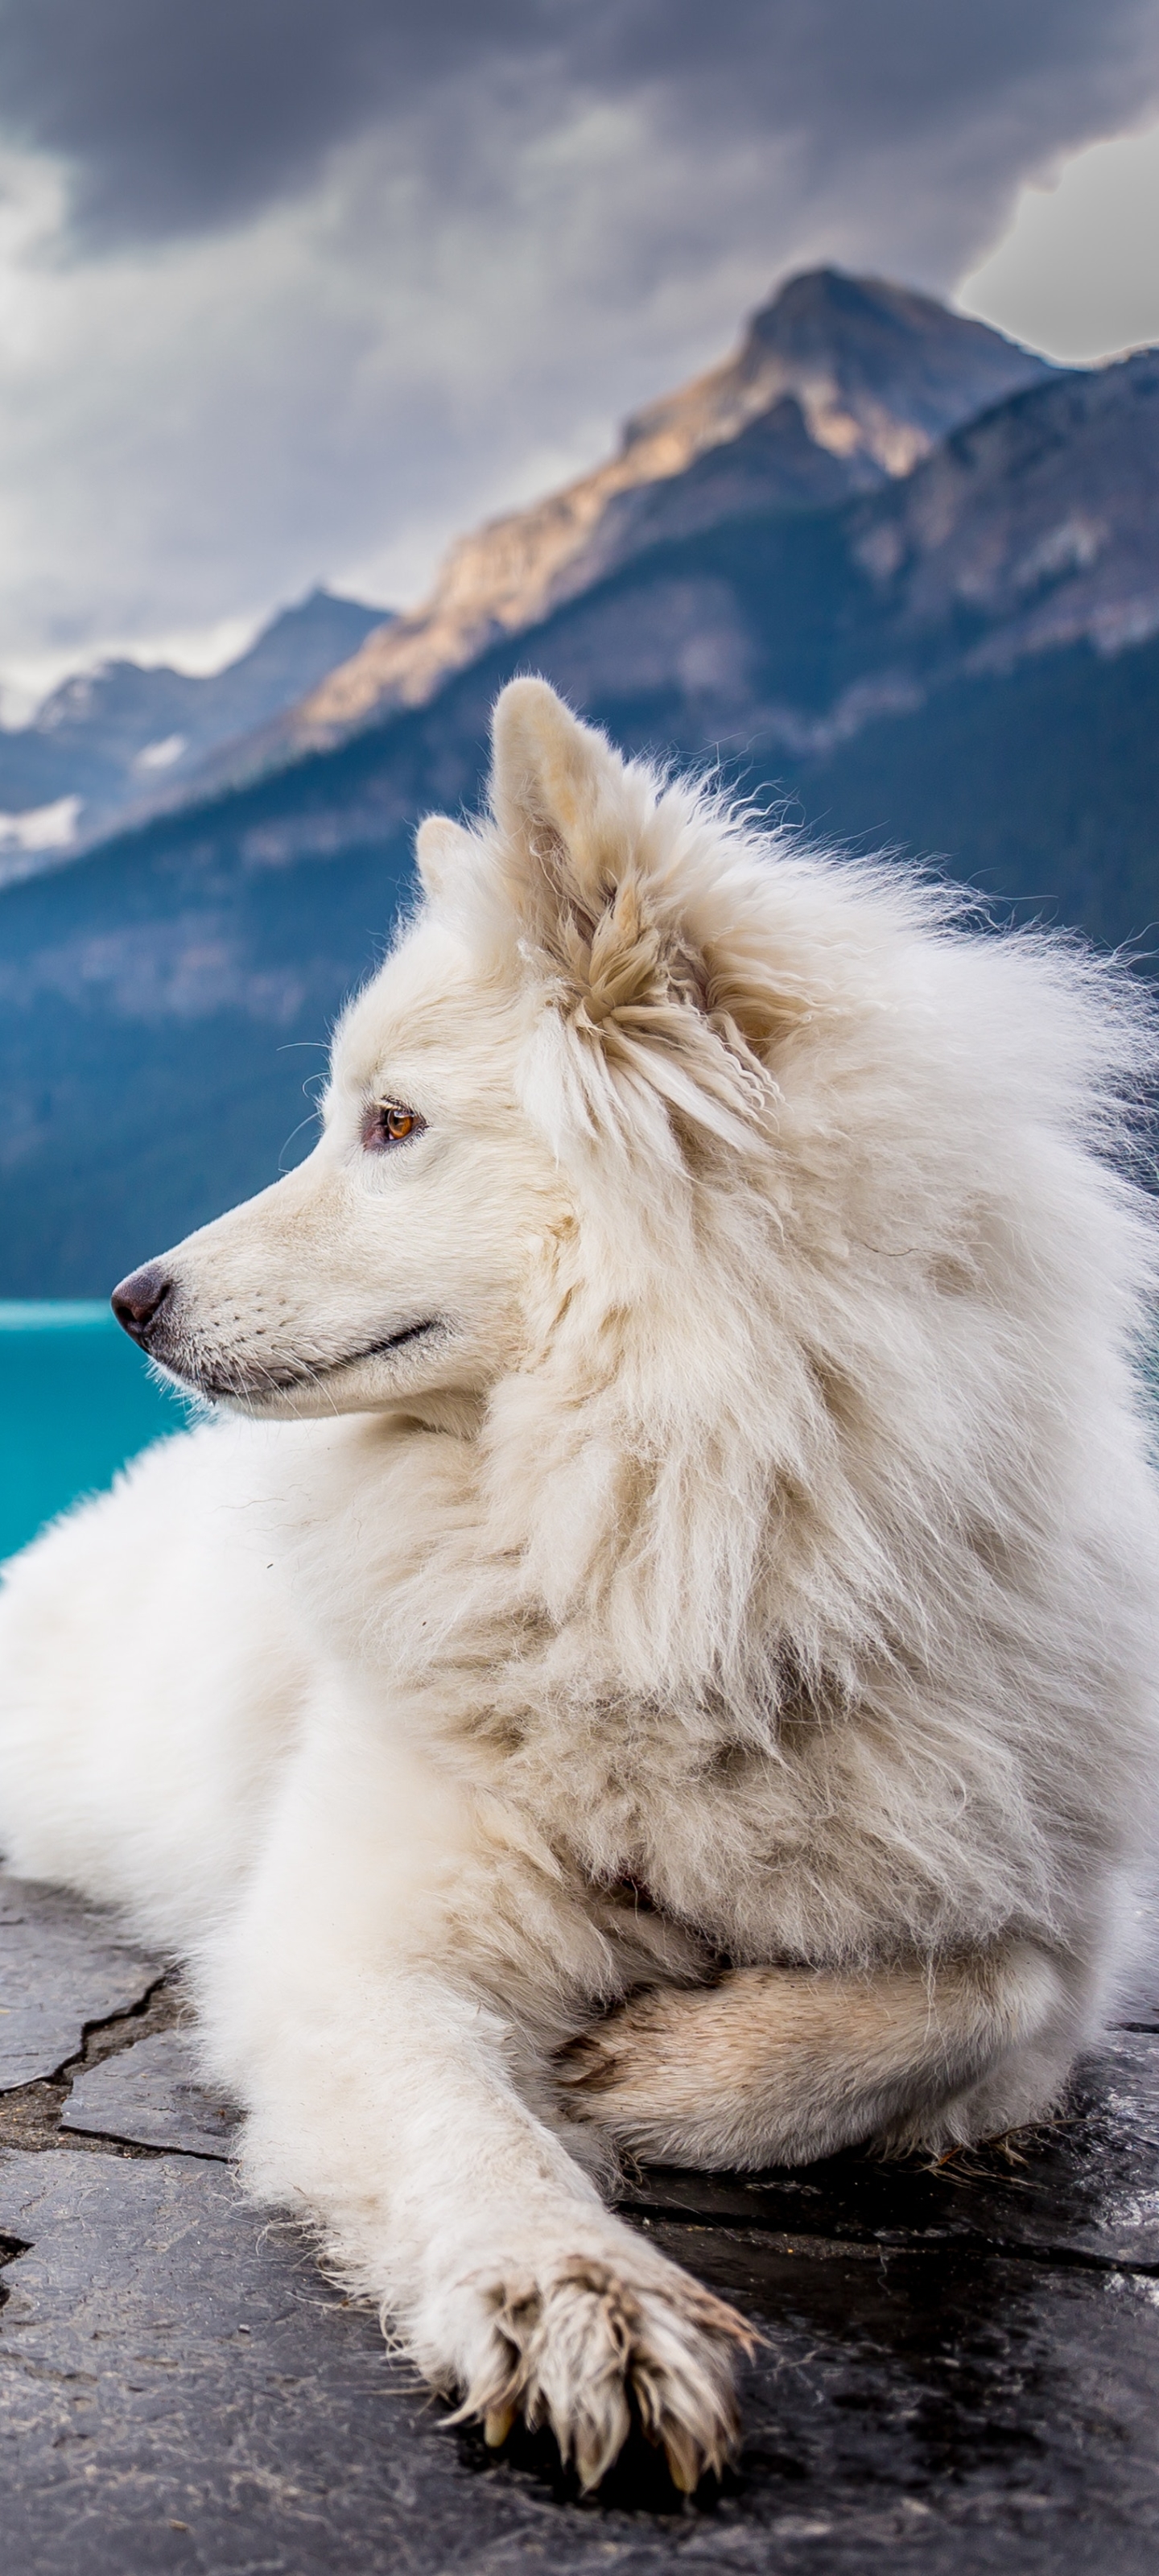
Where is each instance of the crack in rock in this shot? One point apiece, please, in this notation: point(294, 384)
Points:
point(31, 2115)
point(11, 2249)
point(65, 1968)
point(152, 2093)
point(960, 2372)
point(179, 2389)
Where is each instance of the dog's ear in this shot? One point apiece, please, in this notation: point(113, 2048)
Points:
point(441, 847)
point(557, 794)
point(587, 886)
point(575, 873)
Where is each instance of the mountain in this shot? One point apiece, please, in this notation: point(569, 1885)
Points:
point(961, 659)
point(839, 384)
point(104, 736)
point(1033, 529)
point(1038, 785)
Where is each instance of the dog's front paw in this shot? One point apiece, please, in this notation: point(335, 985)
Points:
point(715, 2075)
point(657, 2073)
point(587, 2345)
point(630, 2047)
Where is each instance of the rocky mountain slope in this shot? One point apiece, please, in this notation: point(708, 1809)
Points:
point(774, 637)
point(105, 736)
point(1033, 529)
point(839, 384)
point(962, 659)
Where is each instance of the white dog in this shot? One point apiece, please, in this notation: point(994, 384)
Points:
point(667, 1658)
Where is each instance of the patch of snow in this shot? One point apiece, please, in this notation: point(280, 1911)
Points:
point(161, 755)
point(41, 827)
point(43, 837)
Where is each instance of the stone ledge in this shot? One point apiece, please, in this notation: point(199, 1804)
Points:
point(960, 2373)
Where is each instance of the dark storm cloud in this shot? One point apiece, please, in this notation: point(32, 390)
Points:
point(182, 114)
point(178, 116)
point(295, 287)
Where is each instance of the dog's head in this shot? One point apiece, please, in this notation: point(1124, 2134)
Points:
point(574, 1031)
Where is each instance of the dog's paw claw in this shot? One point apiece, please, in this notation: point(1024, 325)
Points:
point(683, 2466)
point(588, 2063)
point(593, 2346)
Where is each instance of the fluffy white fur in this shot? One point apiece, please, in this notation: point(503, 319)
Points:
point(697, 1690)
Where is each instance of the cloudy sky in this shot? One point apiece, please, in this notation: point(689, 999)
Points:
point(293, 289)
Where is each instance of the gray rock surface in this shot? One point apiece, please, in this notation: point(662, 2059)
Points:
point(151, 2094)
point(63, 1965)
point(960, 2372)
point(1137, 2000)
point(179, 2389)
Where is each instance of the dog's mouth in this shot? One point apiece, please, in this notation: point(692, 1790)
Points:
point(244, 1381)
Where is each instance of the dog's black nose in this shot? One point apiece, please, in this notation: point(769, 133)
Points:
point(137, 1300)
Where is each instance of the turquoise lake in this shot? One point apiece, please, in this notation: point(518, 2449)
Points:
point(76, 1401)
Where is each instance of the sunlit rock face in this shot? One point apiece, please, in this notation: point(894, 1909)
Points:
point(1032, 529)
point(839, 383)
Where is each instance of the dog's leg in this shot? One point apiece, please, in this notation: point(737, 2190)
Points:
point(779, 2066)
point(390, 2099)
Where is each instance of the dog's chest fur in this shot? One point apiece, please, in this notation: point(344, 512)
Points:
point(848, 1832)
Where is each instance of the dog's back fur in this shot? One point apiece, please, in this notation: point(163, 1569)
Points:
point(743, 1513)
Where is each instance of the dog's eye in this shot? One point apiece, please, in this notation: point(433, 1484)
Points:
point(390, 1122)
